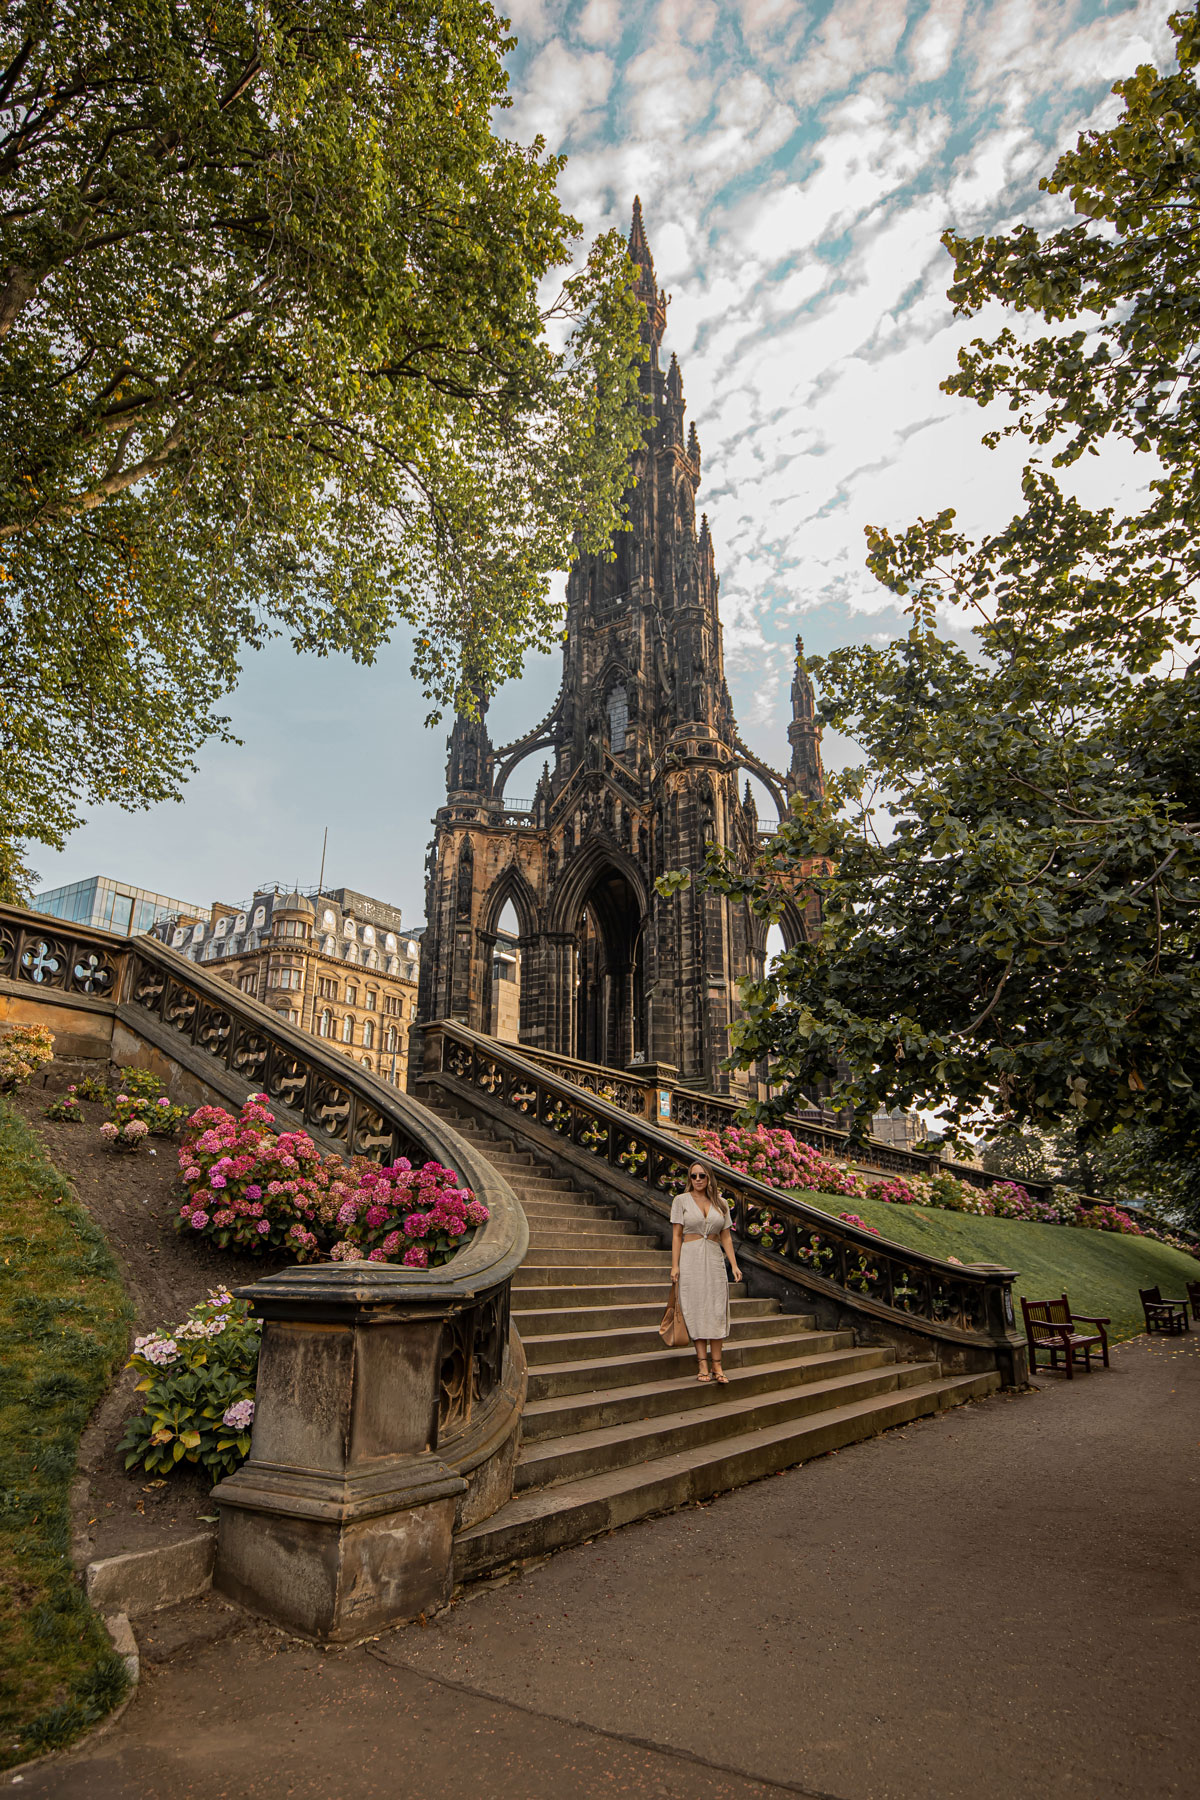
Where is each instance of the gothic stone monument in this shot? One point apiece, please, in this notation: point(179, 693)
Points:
point(645, 776)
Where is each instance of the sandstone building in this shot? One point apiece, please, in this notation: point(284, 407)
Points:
point(334, 962)
point(645, 775)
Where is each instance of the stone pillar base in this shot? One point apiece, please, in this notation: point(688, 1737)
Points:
point(333, 1564)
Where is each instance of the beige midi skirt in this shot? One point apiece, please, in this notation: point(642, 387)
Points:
point(703, 1289)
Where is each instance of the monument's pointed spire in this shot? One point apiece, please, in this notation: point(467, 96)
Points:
point(806, 774)
point(639, 248)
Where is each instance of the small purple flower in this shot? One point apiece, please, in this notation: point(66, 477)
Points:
point(240, 1415)
point(263, 1226)
point(416, 1258)
point(253, 1193)
point(199, 1220)
point(215, 1180)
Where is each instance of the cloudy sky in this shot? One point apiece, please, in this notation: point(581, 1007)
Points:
point(797, 161)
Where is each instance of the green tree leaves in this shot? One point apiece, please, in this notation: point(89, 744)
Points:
point(278, 355)
point(1010, 886)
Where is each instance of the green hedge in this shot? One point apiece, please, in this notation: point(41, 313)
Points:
point(64, 1331)
point(1100, 1271)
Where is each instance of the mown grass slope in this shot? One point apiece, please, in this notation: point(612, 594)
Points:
point(1100, 1271)
point(64, 1328)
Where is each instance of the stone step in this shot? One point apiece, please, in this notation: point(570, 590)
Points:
point(584, 1453)
point(611, 1293)
point(570, 1212)
point(589, 1224)
point(560, 1415)
point(577, 1346)
point(536, 1321)
point(599, 1373)
point(614, 1257)
point(594, 1273)
point(599, 1236)
point(544, 1519)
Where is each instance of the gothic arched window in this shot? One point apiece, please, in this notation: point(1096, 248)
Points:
point(618, 718)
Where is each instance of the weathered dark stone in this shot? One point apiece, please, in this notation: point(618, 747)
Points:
point(646, 764)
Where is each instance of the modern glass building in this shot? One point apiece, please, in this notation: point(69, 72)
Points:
point(112, 905)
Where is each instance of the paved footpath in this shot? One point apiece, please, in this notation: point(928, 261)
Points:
point(998, 1603)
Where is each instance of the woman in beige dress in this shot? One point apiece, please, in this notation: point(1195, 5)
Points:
point(700, 1232)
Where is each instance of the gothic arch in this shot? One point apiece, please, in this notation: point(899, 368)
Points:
point(580, 876)
point(792, 924)
point(511, 884)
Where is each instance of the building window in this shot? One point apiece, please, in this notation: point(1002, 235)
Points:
point(618, 719)
point(347, 1030)
point(372, 1000)
point(327, 988)
point(325, 1029)
point(351, 996)
point(249, 984)
point(368, 1036)
point(393, 1006)
point(368, 934)
point(291, 928)
point(391, 1038)
point(372, 959)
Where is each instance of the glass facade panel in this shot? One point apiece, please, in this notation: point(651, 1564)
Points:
point(112, 905)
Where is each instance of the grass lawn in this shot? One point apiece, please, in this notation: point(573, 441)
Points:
point(1100, 1271)
point(64, 1330)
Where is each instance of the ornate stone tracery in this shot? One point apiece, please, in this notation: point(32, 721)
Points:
point(645, 776)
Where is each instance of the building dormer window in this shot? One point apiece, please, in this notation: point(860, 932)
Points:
point(222, 927)
point(389, 942)
point(368, 936)
point(260, 917)
point(349, 928)
point(177, 938)
point(241, 924)
point(197, 933)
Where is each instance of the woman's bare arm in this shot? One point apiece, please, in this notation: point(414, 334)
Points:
point(727, 1247)
point(676, 1247)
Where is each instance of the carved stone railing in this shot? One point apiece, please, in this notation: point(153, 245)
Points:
point(961, 1307)
point(692, 1111)
point(389, 1399)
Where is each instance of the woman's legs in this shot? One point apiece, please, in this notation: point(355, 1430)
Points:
point(702, 1373)
point(715, 1348)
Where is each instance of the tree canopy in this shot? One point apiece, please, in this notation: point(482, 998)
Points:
point(280, 352)
point(1010, 884)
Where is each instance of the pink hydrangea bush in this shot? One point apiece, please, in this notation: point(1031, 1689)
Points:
point(197, 1382)
point(774, 1156)
point(1107, 1218)
point(853, 1219)
point(1011, 1201)
point(418, 1217)
point(258, 1190)
point(893, 1191)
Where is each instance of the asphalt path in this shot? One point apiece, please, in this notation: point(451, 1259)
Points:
point(1000, 1602)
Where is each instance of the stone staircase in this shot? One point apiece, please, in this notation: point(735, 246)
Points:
point(615, 1426)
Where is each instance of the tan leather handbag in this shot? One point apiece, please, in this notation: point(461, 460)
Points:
point(673, 1331)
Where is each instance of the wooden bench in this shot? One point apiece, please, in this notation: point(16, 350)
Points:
point(1192, 1289)
point(1050, 1325)
point(1163, 1315)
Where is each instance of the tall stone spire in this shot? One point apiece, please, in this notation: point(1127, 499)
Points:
point(646, 282)
point(469, 763)
point(805, 776)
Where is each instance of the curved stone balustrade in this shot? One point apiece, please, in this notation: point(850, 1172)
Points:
point(389, 1399)
point(964, 1307)
point(712, 1112)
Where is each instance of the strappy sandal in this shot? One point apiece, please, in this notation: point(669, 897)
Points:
point(719, 1375)
point(702, 1371)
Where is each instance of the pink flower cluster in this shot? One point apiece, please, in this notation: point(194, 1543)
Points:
point(254, 1189)
point(779, 1159)
point(853, 1219)
point(414, 1216)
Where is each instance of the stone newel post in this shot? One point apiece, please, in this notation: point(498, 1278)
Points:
point(387, 1410)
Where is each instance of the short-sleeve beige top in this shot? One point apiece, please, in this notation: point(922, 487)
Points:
point(703, 1288)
